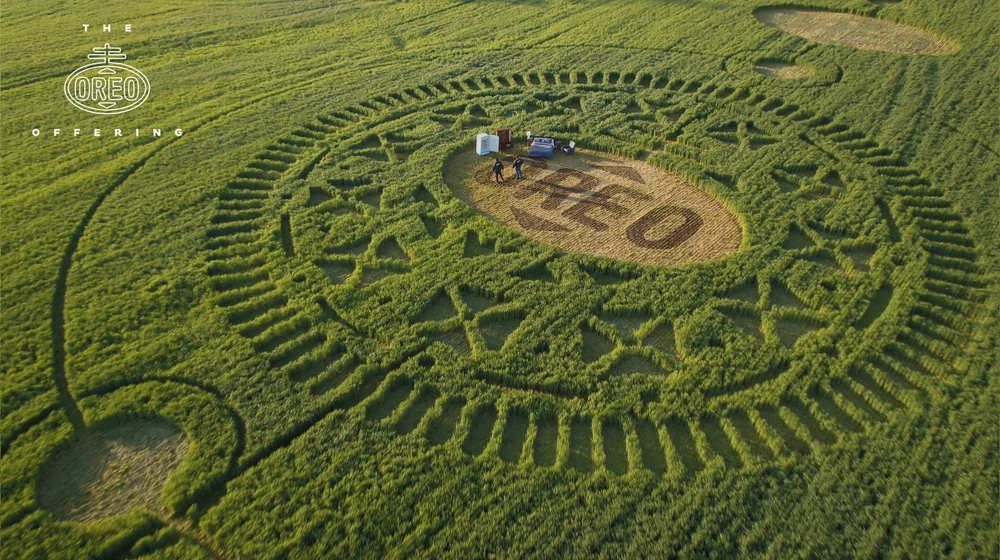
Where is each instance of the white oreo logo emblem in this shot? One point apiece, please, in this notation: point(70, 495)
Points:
point(106, 87)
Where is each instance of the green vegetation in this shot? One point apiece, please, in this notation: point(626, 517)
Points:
point(363, 365)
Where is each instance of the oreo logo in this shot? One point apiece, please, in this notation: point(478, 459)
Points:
point(609, 206)
point(106, 87)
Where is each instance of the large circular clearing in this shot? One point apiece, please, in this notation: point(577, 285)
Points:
point(600, 205)
point(111, 471)
point(834, 28)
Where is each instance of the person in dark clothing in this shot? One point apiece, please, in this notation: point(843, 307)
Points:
point(518, 162)
point(498, 170)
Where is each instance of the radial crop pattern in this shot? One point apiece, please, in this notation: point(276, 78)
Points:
point(835, 286)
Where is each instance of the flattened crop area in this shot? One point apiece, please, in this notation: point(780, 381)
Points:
point(602, 205)
point(782, 70)
point(110, 471)
point(833, 28)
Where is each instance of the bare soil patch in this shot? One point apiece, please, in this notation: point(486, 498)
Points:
point(783, 70)
point(111, 471)
point(601, 205)
point(834, 28)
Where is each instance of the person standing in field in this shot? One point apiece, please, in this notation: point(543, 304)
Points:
point(518, 162)
point(498, 170)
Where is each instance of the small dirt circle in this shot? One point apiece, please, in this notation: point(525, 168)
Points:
point(783, 70)
point(601, 205)
point(113, 470)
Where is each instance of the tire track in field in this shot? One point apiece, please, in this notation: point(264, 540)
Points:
point(975, 140)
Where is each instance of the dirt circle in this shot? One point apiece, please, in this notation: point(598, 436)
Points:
point(835, 28)
point(601, 205)
point(111, 471)
point(783, 70)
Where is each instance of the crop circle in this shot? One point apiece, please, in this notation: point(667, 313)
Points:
point(399, 291)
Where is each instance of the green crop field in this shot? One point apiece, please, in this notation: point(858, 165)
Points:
point(755, 315)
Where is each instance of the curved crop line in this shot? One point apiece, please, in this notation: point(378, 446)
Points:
point(336, 404)
point(17, 517)
point(66, 399)
point(122, 547)
point(237, 419)
point(241, 430)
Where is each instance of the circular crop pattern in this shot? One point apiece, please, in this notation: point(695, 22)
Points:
point(558, 332)
point(852, 30)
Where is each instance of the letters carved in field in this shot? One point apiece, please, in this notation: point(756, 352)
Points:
point(610, 207)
